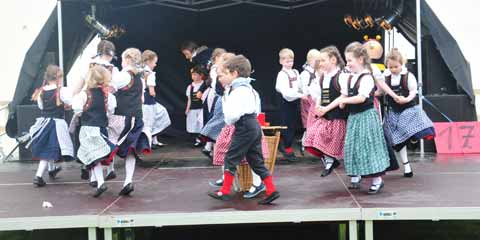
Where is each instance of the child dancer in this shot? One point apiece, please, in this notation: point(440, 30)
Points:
point(194, 107)
point(240, 109)
point(155, 116)
point(326, 133)
point(50, 138)
point(366, 152)
point(307, 77)
point(289, 86)
point(132, 139)
point(214, 124)
point(94, 104)
point(404, 120)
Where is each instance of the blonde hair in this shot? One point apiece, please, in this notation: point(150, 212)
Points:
point(53, 73)
point(217, 52)
point(360, 52)
point(135, 57)
point(312, 54)
point(286, 52)
point(332, 51)
point(98, 76)
point(395, 55)
point(148, 55)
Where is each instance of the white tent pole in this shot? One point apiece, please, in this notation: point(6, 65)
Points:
point(60, 34)
point(419, 65)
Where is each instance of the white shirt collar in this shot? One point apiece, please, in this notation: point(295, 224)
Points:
point(309, 68)
point(388, 73)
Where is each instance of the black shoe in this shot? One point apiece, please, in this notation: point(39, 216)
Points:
point(85, 175)
point(53, 174)
point(255, 193)
point(218, 183)
point(197, 144)
point(126, 190)
point(291, 157)
point(269, 199)
point(354, 185)
point(100, 190)
point(38, 182)
point(408, 175)
point(93, 184)
point(111, 175)
point(377, 190)
point(327, 172)
point(207, 153)
point(219, 196)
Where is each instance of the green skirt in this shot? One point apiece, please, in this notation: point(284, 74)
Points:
point(365, 148)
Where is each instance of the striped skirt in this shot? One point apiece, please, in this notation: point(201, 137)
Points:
point(365, 147)
point(95, 146)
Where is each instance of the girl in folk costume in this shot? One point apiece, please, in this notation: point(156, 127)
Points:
point(307, 78)
point(132, 140)
point(155, 116)
point(366, 153)
point(215, 119)
point(224, 140)
point(94, 104)
point(194, 109)
point(241, 106)
point(105, 54)
point(50, 139)
point(289, 85)
point(404, 120)
point(326, 132)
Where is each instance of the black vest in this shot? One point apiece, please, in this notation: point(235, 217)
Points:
point(329, 95)
point(367, 104)
point(148, 99)
point(50, 108)
point(95, 109)
point(129, 98)
point(311, 77)
point(400, 90)
point(195, 102)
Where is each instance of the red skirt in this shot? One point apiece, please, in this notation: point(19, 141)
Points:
point(325, 136)
point(305, 106)
point(223, 144)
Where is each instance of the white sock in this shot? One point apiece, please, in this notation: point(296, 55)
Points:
point(223, 170)
point(376, 181)
point(93, 178)
point(98, 172)
point(328, 162)
point(356, 179)
point(129, 169)
point(42, 165)
point(111, 167)
point(256, 180)
point(209, 146)
point(404, 157)
point(51, 166)
point(154, 140)
point(303, 137)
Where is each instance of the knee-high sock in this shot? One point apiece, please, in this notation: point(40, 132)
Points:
point(356, 179)
point(154, 140)
point(227, 183)
point(256, 179)
point(268, 181)
point(51, 166)
point(42, 165)
point(328, 162)
point(98, 172)
point(111, 167)
point(129, 169)
point(304, 136)
point(404, 157)
point(93, 178)
point(208, 146)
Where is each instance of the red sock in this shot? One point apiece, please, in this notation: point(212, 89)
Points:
point(289, 150)
point(268, 181)
point(227, 183)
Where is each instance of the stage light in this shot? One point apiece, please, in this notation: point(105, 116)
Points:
point(368, 19)
point(103, 30)
point(348, 20)
point(356, 24)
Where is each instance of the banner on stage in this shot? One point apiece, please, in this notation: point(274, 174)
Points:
point(457, 137)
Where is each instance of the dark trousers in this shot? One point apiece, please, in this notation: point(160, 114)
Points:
point(247, 142)
point(289, 114)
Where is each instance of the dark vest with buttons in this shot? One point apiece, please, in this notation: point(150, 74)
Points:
point(50, 108)
point(95, 109)
point(400, 90)
point(195, 102)
point(148, 99)
point(353, 91)
point(129, 98)
point(329, 95)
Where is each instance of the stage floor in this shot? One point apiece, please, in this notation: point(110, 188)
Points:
point(444, 187)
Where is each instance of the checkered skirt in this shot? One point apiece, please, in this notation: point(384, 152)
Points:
point(223, 144)
point(305, 107)
point(401, 126)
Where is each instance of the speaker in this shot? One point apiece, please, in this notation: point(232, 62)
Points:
point(26, 116)
point(437, 78)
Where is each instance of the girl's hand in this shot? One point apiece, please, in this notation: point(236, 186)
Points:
point(199, 95)
point(320, 111)
point(401, 100)
point(187, 111)
point(152, 92)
